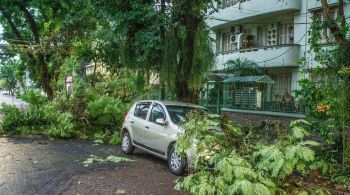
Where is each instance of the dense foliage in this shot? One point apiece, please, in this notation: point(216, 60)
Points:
point(15, 121)
point(234, 160)
point(120, 34)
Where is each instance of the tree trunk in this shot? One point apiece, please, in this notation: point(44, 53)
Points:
point(162, 42)
point(191, 22)
point(332, 24)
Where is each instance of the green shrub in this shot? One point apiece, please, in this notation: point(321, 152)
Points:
point(64, 128)
point(12, 118)
point(115, 138)
point(289, 154)
point(16, 122)
point(34, 98)
point(106, 112)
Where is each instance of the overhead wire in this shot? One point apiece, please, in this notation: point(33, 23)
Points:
point(290, 48)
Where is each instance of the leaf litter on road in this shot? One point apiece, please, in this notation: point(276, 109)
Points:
point(111, 158)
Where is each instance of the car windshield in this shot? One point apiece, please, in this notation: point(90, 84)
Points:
point(178, 113)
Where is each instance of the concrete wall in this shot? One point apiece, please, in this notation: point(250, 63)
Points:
point(257, 117)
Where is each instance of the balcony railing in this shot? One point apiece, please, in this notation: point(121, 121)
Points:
point(287, 55)
point(246, 42)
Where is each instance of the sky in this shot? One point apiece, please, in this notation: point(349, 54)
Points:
point(2, 42)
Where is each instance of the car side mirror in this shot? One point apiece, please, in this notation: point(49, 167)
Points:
point(161, 121)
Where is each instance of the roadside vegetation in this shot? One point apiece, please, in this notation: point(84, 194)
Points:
point(94, 112)
point(273, 159)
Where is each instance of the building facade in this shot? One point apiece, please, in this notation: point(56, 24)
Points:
point(273, 34)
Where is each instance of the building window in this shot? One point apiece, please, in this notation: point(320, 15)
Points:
point(326, 35)
point(262, 36)
point(283, 84)
point(227, 42)
point(286, 33)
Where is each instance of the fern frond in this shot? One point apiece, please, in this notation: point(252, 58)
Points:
point(300, 121)
point(306, 154)
point(261, 189)
point(299, 132)
point(310, 143)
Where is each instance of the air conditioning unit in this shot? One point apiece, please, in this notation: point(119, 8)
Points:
point(233, 38)
point(237, 40)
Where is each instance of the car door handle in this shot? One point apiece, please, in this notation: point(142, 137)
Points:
point(132, 122)
point(147, 127)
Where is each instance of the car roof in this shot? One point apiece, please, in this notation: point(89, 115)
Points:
point(173, 103)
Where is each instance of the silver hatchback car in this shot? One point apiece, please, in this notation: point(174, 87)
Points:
point(153, 126)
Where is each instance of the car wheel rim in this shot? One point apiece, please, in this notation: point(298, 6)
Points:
point(126, 142)
point(175, 161)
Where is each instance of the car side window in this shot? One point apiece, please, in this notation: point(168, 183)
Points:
point(157, 113)
point(141, 110)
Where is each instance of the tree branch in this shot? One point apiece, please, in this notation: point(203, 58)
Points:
point(33, 25)
point(331, 23)
point(12, 26)
point(16, 32)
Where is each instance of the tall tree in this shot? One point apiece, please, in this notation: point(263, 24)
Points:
point(41, 32)
point(188, 51)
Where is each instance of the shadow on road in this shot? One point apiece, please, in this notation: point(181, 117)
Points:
point(36, 165)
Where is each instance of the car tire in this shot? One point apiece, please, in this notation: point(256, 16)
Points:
point(127, 146)
point(177, 164)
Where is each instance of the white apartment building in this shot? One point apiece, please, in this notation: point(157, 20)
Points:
point(272, 33)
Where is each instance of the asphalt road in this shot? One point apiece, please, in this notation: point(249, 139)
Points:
point(39, 166)
point(8, 99)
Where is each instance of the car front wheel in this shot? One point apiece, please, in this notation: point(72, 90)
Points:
point(176, 163)
point(127, 146)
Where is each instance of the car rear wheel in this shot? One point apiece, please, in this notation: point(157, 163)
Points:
point(127, 146)
point(176, 162)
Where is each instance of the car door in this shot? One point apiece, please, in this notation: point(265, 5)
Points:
point(156, 136)
point(138, 121)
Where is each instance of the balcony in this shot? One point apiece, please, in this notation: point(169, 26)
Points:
point(275, 56)
point(246, 10)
